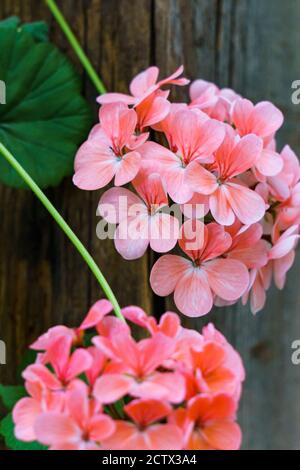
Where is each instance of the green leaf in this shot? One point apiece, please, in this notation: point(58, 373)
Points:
point(38, 29)
point(7, 431)
point(45, 118)
point(11, 394)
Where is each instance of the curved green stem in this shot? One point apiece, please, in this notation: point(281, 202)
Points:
point(65, 227)
point(76, 46)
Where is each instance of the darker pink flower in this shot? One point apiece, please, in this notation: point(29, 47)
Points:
point(209, 423)
point(145, 431)
point(195, 281)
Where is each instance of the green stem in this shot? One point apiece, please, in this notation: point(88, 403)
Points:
point(76, 46)
point(65, 227)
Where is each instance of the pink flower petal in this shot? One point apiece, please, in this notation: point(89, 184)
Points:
point(111, 387)
point(192, 295)
point(96, 314)
point(127, 168)
point(54, 428)
point(164, 232)
point(24, 415)
point(247, 205)
point(269, 163)
point(132, 237)
point(228, 279)
point(200, 180)
point(115, 203)
point(167, 272)
point(220, 206)
point(143, 81)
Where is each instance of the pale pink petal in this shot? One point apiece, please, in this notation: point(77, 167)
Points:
point(127, 168)
point(116, 98)
point(132, 237)
point(228, 279)
point(80, 361)
point(200, 180)
point(167, 272)
point(197, 207)
point(244, 155)
point(241, 112)
point(171, 384)
point(154, 351)
point(40, 373)
point(257, 296)
point(54, 428)
point(269, 163)
point(111, 387)
point(101, 427)
point(178, 189)
point(164, 232)
point(220, 206)
point(143, 81)
point(24, 415)
point(96, 314)
point(115, 203)
point(281, 267)
point(193, 296)
point(266, 119)
point(95, 165)
point(283, 247)
point(247, 205)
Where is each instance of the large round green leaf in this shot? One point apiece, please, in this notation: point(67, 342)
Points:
point(45, 118)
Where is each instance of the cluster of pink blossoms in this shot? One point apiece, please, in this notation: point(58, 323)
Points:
point(217, 160)
point(95, 387)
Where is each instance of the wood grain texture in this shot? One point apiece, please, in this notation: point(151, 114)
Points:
point(249, 45)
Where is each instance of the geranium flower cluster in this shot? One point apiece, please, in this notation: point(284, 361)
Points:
point(95, 387)
point(217, 160)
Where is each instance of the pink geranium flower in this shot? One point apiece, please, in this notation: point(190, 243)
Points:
point(211, 100)
point(111, 150)
point(260, 282)
point(150, 103)
point(82, 427)
point(247, 245)
point(146, 432)
point(209, 423)
point(283, 253)
point(29, 408)
point(66, 365)
point(195, 137)
point(195, 281)
point(263, 120)
point(134, 369)
point(228, 197)
point(140, 219)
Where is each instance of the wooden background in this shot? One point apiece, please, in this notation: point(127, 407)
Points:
point(251, 45)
